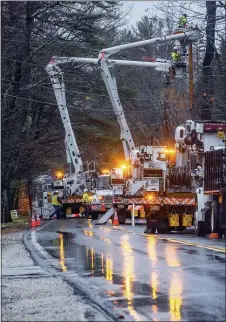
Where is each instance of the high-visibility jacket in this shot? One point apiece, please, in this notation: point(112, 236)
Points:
point(175, 56)
point(183, 21)
point(55, 202)
point(85, 197)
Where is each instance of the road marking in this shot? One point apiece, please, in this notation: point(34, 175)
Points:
point(221, 250)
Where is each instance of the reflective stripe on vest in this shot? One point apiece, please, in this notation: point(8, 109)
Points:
point(85, 197)
point(175, 56)
point(55, 202)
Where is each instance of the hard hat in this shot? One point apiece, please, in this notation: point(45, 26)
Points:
point(85, 190)
point(175, 48)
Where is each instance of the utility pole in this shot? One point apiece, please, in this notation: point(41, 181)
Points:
point(191, 79)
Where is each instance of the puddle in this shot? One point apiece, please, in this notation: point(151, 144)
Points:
point(124, 290)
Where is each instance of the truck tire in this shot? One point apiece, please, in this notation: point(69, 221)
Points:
point(94, 215)
point(200, 229)
point(214, 217)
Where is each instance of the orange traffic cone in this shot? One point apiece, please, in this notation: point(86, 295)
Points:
point(214, 236)
point(38, 221)
point(33, 221)
point(115, 220)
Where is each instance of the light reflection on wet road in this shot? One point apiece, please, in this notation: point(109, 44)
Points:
point(147, 278)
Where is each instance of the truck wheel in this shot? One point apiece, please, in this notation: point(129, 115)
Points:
point(213, 217)
point(200, 229)
point(149, 231)
point(94, 215)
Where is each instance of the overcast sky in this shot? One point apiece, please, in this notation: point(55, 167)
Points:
point(139, 8)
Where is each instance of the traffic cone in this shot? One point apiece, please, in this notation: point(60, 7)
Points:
point(156, 231)
point(33, 221)
point(214, 236)
point(115, 220)
point(38, 221)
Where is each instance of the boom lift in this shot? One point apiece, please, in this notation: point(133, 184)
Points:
point(136, 155)
point(148, 163)
point(78, 179)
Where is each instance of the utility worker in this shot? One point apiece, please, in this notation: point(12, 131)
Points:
point(85, 201)
point(56, 202)
point(183, 21)
point(176, 57)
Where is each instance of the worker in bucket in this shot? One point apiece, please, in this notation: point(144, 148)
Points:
point(183, 21)
point(85, 201)
point(56, 202)
point(176, 57)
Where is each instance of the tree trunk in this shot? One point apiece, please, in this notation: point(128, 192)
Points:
point(208, 59)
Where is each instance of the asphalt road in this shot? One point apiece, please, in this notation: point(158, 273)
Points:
point(137, 277)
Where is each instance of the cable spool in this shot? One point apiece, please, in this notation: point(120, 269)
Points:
point(180, 176)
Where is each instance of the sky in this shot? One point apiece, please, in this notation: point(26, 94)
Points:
point(139, 8)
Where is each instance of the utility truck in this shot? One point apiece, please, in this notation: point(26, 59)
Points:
point(198, 177)
point(145, 189)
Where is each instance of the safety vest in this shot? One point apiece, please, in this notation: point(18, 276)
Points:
point(183, 20)
point(175, 56)
point(55, 202)
point(85, 197)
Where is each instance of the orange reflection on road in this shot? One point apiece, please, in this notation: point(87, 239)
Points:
point(151, 245)
point(154, 284)
point(92, 258)
point(102, 263)
point(106, 239)
point(62, 263)
point(128, 274)
point(171, 256)
point(109, 269)
point(89, 224)
point(88, 233)
point(175, 297)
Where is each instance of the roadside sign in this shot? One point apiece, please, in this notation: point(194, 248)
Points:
point(14, 214)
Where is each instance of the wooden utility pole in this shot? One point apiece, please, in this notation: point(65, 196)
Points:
point(191, 80)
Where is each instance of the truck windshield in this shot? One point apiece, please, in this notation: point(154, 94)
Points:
point(103, 183)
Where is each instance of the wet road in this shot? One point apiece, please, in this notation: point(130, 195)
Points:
point(143, 278)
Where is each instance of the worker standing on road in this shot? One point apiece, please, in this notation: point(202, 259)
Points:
point(183, 21)
point(56, 202)
point(85, 201)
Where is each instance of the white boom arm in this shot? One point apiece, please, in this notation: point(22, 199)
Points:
point(110, 81)
point(111, 85)
point(73, 155)
point(187, 37)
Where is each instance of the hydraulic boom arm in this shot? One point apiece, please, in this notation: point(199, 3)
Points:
point(73, 155)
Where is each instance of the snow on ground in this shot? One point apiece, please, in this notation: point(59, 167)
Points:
point(31, 294)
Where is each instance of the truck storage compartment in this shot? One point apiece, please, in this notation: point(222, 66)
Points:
point(213, 174)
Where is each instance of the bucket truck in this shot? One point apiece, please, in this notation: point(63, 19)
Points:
point(146, 190)
point(201, 170)
point(72, 184)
